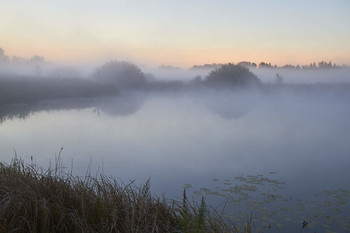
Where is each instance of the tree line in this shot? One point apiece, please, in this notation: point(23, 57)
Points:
point(265, 65)
point(4, 59)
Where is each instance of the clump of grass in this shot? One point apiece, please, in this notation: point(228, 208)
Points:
point(193, 217)
point(37, 200)
point(33, 199)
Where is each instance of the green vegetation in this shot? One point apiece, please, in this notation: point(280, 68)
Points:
point(33, 199)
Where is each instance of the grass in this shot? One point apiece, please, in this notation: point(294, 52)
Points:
point(33, 199)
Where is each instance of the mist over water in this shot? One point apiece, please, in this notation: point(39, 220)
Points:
point(175, 131)
point(199, 133)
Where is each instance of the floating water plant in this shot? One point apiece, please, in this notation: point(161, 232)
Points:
point(265, 198)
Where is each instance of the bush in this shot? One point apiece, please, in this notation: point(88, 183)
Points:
point(120, 74)
point(230, 75)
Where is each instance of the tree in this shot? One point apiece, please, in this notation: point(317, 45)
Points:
point(3, 57)
point(231, 75)
point(279, 79)
point(18, 60)
point(120, 74)
point(265, 65)
point(169, 68)
point(247, 64)
point(37, 59)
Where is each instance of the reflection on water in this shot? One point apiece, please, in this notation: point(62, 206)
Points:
point(123, 105)
point(230, 105)
point(191, 138)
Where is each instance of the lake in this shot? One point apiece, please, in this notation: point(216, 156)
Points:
point(276, 152)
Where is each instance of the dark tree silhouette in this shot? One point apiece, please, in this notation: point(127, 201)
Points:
point(247, 64)
point(231, 75)
point(265, 65)
point(206, 66)
point(3, 57)
point(278, 79)
point(120, 74)
point(169, 67)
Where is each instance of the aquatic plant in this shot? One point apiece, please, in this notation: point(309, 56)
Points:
point(269, 207)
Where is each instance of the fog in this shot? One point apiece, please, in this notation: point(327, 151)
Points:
point(177, 126)
point(38, 66)
point(191, 136)
point(339, 75)
point(33, 85)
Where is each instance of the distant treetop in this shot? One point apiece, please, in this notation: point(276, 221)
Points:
point(3, 57)
point(20, 60)
point(247, 64)
point(231, 75)
point(168, 67)
point(206, 66)
point(120, 74)
point(268, 65)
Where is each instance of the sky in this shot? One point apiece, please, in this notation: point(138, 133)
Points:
point(180, 33)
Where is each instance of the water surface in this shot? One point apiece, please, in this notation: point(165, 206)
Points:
point(174, 139)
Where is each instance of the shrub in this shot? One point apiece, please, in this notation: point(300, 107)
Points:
point(120, 74)
point(230, 75)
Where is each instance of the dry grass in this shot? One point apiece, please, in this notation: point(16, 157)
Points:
point(37, 200)
point(33, 199)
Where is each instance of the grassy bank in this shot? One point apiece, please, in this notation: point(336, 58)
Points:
point(23, 90)
point(33, 199)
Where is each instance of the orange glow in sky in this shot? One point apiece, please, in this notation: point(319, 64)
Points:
point(181, 33)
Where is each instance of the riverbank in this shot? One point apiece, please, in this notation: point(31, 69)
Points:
point(34, 199)
point(23, 90)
